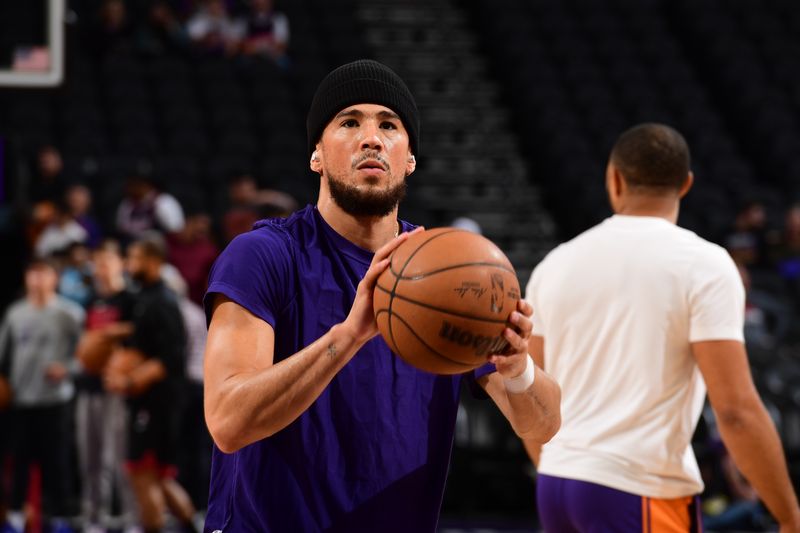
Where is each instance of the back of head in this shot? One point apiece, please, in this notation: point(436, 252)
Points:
point(652, 158)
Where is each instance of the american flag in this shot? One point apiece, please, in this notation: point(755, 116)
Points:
point(31, 58)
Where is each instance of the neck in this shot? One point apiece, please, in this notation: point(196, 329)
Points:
point(369, 233)
point(642, 205)
point(40, 299)
point(111, 286)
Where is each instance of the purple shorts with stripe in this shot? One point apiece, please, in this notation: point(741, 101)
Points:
point(572, 506)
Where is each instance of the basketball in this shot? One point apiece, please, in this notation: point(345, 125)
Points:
point(94, 350)
point(444, 300)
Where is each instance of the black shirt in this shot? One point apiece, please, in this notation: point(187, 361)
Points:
point(101, 312)
point(159, 333)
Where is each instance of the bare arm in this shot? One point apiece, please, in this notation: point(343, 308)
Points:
point(535, 414)
point(247, 397)
point(536, 349)
point(746, 428)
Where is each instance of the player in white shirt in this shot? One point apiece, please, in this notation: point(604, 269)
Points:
point(635, 318)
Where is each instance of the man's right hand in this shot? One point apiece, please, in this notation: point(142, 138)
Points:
point(360, 322)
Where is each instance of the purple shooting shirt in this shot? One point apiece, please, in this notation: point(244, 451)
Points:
point(372, 452)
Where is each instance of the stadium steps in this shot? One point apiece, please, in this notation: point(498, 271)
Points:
point(470, 164)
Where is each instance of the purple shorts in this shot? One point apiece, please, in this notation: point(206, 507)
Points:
point(572, 506)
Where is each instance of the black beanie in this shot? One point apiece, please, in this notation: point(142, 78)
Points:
point(362, 82)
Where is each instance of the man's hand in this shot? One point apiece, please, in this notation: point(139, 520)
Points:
point(535, 413)
point(55, 373)
point(360, 322)
point(513, 364)
point(116, 383)
point(118, 330)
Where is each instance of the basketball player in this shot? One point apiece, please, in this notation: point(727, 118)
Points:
point(153, 390)
point(318, 427)
point(635, 318)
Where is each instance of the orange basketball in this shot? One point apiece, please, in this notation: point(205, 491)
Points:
point(94, 350)
point(444, 301)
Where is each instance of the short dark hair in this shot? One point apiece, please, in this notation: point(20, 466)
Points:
point(652, 156)
point(153, 245)
point(41, 263)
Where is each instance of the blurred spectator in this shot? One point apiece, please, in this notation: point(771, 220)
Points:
point(153, 388)
point(193, 252)
point(196, 444)
point(101, 421)
point(38, 337)
point(49, 180)
point(60, 233)
point(146, 208)
point(162, 32)
point(748, 241)
point(267, 32)
point(248, 203)
point(42, 214)
point(75, 282)
point(766, 321)
point(46, 190)
point(5, 441)
point(212, 29)
point(78, 198)
point(112, 31)
point(786, 254)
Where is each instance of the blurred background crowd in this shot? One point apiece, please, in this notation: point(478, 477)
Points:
point(181, 122)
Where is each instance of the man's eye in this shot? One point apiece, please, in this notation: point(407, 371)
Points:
point(350, 123)
point(388, 125)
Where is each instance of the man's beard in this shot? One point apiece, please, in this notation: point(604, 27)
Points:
point(366, 203)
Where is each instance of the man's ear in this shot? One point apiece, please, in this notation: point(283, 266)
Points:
point(316, 162)
point(615, 185)
point(411, 164)
point(686, 185)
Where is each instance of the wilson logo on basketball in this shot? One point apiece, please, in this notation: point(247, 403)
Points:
point(482, 344)
point(497, 293)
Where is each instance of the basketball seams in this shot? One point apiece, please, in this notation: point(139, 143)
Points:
point(445, 311)
point(397, 276)
point(416, 277)
point(426, 345)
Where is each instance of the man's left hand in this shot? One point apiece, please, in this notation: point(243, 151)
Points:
point(513, 363)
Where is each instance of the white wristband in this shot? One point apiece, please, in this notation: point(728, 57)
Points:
point(522, 382)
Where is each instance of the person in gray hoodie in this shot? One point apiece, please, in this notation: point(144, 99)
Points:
point(37, 341)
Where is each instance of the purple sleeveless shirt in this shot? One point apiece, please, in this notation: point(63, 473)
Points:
point(372, 452)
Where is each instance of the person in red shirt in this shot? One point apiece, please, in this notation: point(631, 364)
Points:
point(192, 251)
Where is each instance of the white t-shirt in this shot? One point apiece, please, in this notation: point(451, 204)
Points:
point(618, 307)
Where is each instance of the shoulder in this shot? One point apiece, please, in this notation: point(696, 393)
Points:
point(288, 232)
point(70, 309)
point(267, 253)
point(16, 309)
point(705, 254)
point(268, 237)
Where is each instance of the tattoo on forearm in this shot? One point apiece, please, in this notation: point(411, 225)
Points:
point(539, 403)
point(331, 350)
